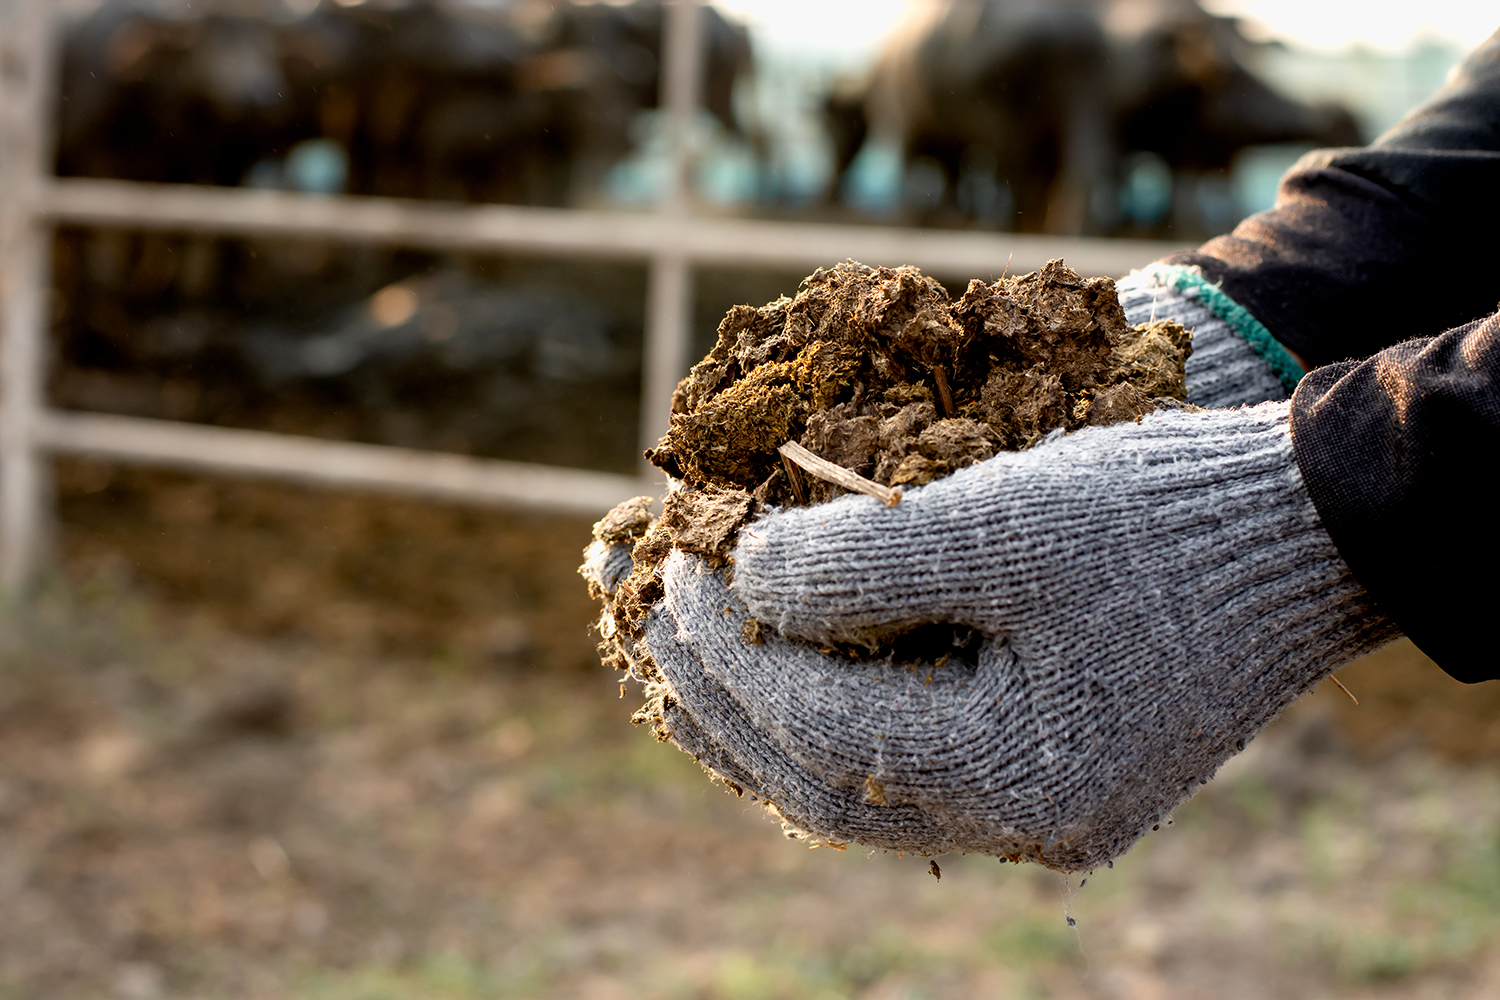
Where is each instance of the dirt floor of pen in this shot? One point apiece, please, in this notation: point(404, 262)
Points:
point(258, 741)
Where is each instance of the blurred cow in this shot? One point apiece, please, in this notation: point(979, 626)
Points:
point(1048, 101)
point(529, 102)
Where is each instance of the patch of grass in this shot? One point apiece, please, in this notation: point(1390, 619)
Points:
point(1032, 939)
point(1256, 801)
point(436, 977)
point(741, 975)
point(1381, 955)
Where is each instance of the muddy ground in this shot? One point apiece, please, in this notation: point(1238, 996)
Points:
point(266, 742)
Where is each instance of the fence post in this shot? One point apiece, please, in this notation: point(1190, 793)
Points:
point(669, 296)
point(27, 54)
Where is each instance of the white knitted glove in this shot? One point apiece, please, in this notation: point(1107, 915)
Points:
point(1150, 595)
point(1235, 360)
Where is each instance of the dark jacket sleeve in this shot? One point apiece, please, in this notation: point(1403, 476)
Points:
point(1368, 247)
point(1400, 448)
point(1401, 454)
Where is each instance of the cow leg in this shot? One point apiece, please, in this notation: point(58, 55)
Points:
point(1085, 141)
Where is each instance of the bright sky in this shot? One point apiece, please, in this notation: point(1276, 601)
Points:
point(1391, 25)
point(826, 28)
point(841, 32)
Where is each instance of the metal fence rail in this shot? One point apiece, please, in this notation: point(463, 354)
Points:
point(673, 240)
point(573, 232)
point(198, 448)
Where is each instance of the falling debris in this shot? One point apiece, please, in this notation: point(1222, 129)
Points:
point(1341, 687)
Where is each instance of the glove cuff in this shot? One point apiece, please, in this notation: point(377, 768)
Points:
point(1235, 360)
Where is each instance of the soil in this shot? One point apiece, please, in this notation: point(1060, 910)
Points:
point(881, 372)
point(365, 573)
point(186, 812)
point(465, 825)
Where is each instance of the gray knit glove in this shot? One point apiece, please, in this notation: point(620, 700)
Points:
point(703, 719)
point(1235, 360)
point(1150, 595)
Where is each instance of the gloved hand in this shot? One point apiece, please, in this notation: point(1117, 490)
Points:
point(1150, 596)
point(702, 718)
point(1235, 360)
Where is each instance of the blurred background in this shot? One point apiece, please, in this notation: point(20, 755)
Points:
point(298, 694)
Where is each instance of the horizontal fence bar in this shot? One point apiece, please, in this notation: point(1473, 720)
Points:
point(201, 448)
point(574, 232)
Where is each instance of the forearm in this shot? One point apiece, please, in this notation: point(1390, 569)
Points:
point(1368, 247)
point(1398, 453)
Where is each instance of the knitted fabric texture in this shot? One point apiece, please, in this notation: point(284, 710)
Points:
point(728, 743)
point(708, 722)
point(1152, 595)
point(1224, 369)
point(604, 566)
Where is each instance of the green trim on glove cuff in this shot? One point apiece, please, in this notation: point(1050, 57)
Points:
point(1254, 332)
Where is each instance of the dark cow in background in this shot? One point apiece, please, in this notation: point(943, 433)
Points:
point(526, 103)
point(1050, 115)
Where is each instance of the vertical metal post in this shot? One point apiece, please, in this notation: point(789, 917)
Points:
point(669, 307)
point(26, 61)
point(669, 297)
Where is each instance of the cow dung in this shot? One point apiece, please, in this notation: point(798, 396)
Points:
point(878, 370)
